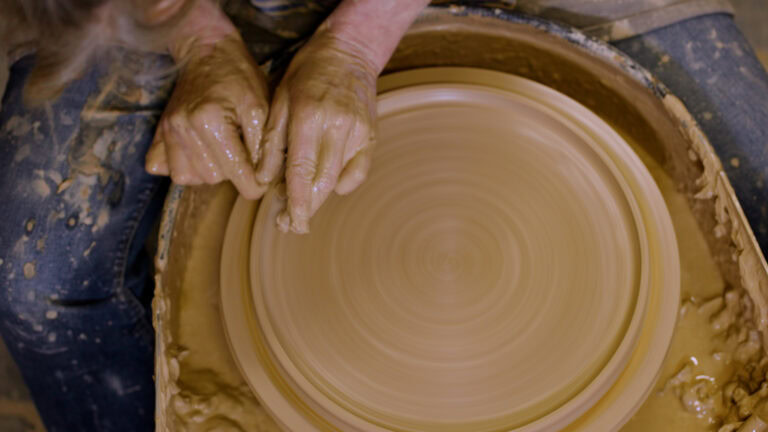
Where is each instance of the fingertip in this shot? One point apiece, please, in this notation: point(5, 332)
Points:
point(287, 223)
point(251, 192)
point(354, 174)
point(156, 167)
point(179, 167)
point(299, 219)
point(283, 221)
point(300, 227)
point(155, 161)
point(348, 187)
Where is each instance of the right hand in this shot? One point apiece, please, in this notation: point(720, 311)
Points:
point(324, 113)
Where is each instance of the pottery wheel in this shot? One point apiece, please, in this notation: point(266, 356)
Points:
point(492, 273)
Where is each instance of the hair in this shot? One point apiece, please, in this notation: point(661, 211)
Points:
point(68, 34)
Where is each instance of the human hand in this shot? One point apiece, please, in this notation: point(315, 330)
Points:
point(324, 111)
point(211, 129)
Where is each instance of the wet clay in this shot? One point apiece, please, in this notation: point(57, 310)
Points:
point(716, 348)
point(705, 216)
point(207, 392)
point(492, 224)
point(203, 371)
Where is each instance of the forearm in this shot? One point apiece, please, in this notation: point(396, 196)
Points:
point(203, 26)
point(374, 26)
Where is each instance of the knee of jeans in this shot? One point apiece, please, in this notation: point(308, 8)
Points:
point(50, 262)
point(43, 306)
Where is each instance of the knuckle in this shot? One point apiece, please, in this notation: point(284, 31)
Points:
point(307, 106)
point(205, 112)
point(258, 108)
point(304, 167)
point(176, 120)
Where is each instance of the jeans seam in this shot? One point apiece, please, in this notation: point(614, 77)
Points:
point(121, 264)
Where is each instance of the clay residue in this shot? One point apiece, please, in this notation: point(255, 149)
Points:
point(199, 385)
point(713, 378)
point(719, 379)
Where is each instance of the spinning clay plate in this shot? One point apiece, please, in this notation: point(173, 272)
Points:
point(509, 264)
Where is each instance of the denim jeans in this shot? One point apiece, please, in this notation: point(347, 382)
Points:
point(708, 63)
point(77, 208)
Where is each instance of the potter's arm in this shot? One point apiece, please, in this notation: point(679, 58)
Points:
point(202, 27)
point(376, 26)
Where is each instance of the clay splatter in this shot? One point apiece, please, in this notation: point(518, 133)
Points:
point(102, 219)
point(41, 188)
point(18, 126)
point(29, 270)
point(22, 153)
point(90, 248)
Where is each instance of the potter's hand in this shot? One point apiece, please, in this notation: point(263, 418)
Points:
point(212, 127)
point(325, 108)
point(324, 111)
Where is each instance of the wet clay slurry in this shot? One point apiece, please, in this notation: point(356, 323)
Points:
point(194, 365)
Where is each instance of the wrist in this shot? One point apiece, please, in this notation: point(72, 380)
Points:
point(373, 27)
point(203, 26)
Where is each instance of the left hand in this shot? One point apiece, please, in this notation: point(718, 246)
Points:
point(324, 111)
point(212, 126)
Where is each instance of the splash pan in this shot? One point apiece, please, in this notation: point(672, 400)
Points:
point(508, 265)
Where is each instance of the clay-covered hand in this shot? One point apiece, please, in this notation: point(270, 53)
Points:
point(211, 129)
point(324, 112)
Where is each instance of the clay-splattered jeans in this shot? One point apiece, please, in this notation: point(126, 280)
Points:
point(76, 210)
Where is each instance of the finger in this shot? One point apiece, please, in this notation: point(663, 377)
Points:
point(224, 143)
point(180, 169)
point(198, 155)
point(357, 163)
point(303, 144)
point(275, 137)
point(252, 121)
point(329, 164)
point(355, 171)
point(156, 162)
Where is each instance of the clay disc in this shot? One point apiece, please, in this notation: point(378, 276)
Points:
point(492, 273)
